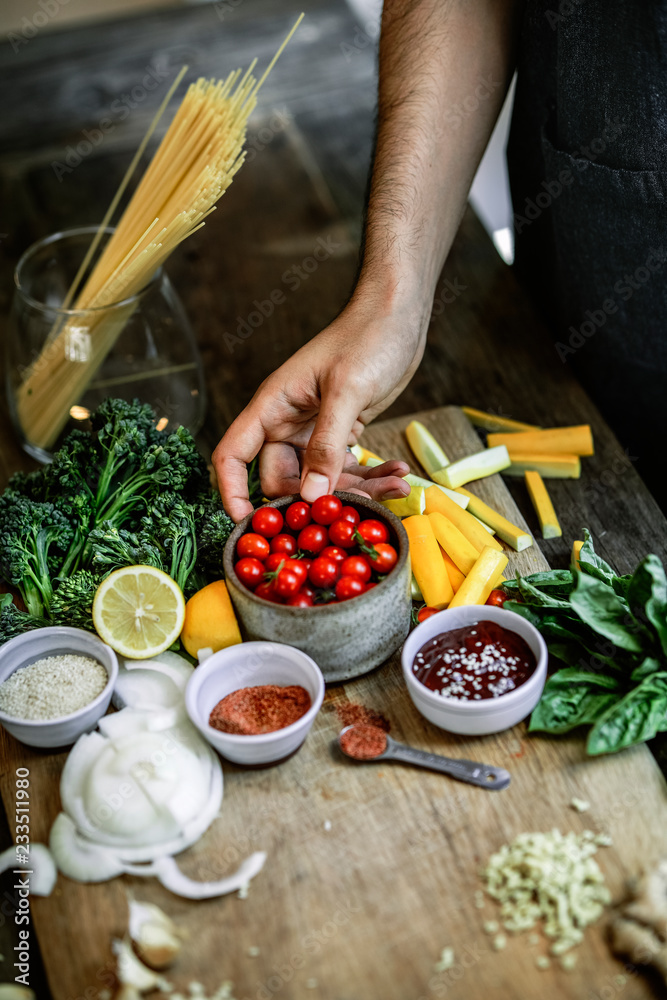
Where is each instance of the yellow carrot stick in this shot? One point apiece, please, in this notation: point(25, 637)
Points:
point(427, 566)
point(555, 440)
point(477, 535)
point(456, 577)
point(548, 466)
point(543, 506)
point(479, 582)
point(462, 552)
point(574, 558)
point(516, 537)
point(491, 422)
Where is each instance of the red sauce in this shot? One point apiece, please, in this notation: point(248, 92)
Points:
point(262, 709)
point(482, 660)
point(364, 741)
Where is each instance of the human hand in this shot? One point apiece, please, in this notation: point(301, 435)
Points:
point(305, 414)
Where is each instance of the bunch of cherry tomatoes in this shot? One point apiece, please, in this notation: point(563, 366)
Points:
point(318, 553)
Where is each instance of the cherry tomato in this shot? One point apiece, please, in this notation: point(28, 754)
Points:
point(497, 598)
point(313, 538)
point(356, 566)
point(307, 563)
point(298, 515)
point(284, 543)
point(372, 531)
point(349, 586)
point(324, 572)
point(300, 600)
point(298, 566)
point(267, 591)
point(333, 552)
point(350, 514)
point(369, 586)
point(274, 561)
point(250, 571)
point(308, 591)
point(327, 509)
point(425, 613)
point(386, 557)
point(267, 521)
point(252, 545)
point(287, 582)
point(341, 533)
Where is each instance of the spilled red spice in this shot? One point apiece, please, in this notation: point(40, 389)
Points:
point(262, 709)
point(364, 741)
point(351, 714)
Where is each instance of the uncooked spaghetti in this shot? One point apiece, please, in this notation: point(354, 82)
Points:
point(192, 168)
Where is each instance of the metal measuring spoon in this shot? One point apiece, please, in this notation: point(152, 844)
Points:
point(484, 775)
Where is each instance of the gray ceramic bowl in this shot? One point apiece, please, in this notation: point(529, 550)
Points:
point(346, 639)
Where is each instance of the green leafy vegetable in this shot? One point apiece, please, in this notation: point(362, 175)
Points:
point(611, 632)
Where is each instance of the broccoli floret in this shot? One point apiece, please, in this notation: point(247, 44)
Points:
point(214, 526)
point(111, 547)
point(34, 543)
point(170, 522)
point(72, 603)
point(15, 622)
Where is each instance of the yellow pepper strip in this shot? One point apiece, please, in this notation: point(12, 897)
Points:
point(426, 449)
point(576, 549)
point(480, 581)
point(455, 575)
point(516, 537)
point(555, 440)
point(427, 565)
point(462, 552)
point(543, 505)
point(548, 466)
point(482, 463)
point(490, 422)
point(477, 535)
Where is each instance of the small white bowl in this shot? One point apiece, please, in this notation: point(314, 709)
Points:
point(250, 664)
point(488, 715)
point(57, 640)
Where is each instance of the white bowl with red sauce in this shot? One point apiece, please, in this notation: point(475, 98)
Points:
point(475, 716)
point(247, 665)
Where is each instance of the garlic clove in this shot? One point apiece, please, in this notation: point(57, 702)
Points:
point(127, 993)
point(132, 972)
point(154, 935)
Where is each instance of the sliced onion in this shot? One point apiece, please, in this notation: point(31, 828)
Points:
point(39, 865)
point(77, 857)
point(170, 875)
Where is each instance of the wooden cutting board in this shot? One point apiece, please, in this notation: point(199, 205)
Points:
point(371, 869)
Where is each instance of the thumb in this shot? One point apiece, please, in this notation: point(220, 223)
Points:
point(325, 455)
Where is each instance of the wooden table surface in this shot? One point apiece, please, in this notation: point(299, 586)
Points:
point(304, 183)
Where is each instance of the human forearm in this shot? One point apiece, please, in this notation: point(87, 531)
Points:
point(445, 66)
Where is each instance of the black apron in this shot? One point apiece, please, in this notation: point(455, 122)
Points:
point(587, 156)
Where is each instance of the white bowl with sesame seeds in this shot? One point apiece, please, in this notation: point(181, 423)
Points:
point(78, 692)
point(484, 715)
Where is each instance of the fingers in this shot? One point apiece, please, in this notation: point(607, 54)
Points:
point(325, 454)
point(239, 446)
point(279, 469)
point(394, 467)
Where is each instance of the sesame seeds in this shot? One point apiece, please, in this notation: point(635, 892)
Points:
point(52, 687)
point(476, 662)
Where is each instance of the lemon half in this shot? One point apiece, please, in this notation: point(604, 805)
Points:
point(139, 611)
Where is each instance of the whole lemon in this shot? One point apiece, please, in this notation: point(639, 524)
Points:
point(210, 622)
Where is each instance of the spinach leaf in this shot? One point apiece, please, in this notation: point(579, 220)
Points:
point(533, 595)
point(647, 667)
point(523, 612)
point(593, 564)
point(635, 718)
point(647, 596)
point(573, 698)
point(554, 579)
point(599, 606)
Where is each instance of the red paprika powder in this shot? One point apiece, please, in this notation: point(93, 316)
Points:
point(261, 709)
point(364, 741)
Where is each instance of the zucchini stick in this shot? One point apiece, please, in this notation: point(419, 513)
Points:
point(419, 481)
point(493, 423)
point(556, 440)
point(480, 581)
point(413, 503)
point(548, 466)
point(482, 463)
point(516, 537)
point(469, 526)
point(426, 449)
point(543, 506)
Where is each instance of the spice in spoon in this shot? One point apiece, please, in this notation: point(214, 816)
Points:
point(363, 741)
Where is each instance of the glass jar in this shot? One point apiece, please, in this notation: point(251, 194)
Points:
point(61, 363)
